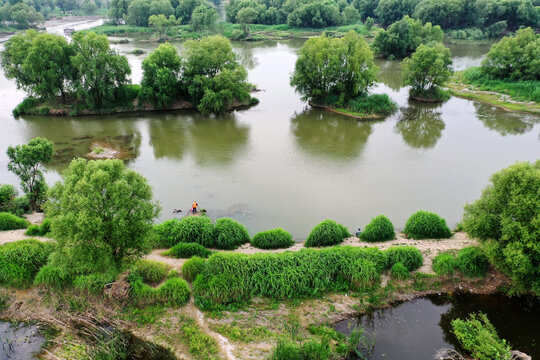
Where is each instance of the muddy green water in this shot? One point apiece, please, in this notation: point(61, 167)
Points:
point(283, 164)
point(417, 329)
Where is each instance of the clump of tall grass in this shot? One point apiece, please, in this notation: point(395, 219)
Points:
point(426, 225)
point(95, 282)
point(173, 292)
point(39, 230)
point(229, 234)
point(229, 278)
point(379, 104)
point(472, 261)
point(191, 229)
point(409, 256)
point(11, 222)
point(327, 233)
point(150, 271)
point(192, 268)
point(273, 239)
point(20, 261)
point(51, 275)
point(380, 228)
point(444, 264)
point(187, 250)
point(400, 271)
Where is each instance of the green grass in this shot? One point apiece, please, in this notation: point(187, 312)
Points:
point(192, 268)
point(244, 333)
point(444, 264)
point(426, 225)
point(380, 228)
point(229, 234)
point(400, 271)
point(119, 30)
point(191, 229)
point(472, 261)
point(327, 233)
point(95, 283)
point(173, 292)
point(151, 272)
point(39, 230)
point(9, 221)
point(409, 256)
point(20, 261)
point(433, 94)
point(273, 239)
point(201, 345)
point(187, 250)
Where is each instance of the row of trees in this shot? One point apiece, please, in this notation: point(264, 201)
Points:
point(87, 70)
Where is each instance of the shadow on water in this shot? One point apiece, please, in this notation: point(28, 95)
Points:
point(331, 135)
point(505, 122)
point(417, 329)
point(420, 126)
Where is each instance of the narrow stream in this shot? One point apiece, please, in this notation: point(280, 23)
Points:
point(20, 341)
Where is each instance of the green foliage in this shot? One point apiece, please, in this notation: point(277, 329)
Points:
point(308, 350)
point(232, 278)
point(507, 218)
point(27, 162)
point(444, 264)
point(203, 18)
point(39, 230)
point(342, 67)
point(21, 260)
point(403, 37)
point(400, 271)
point(426, 225)
point(229, 234)
point(390, 11)
point(162, 24)
point(8, 193)
point(94, 283)
point(161, 69)
point(167, 233)
point(101, 215)
point(472, 261)
point(201, 345)
point(379, 104)
point(428, 68)
point(378, 229)
point(173, 292)
point(515, 58)
point(409, 256)
point(478, 336)
point(273, 239)
point(51, 275)
point(9, 221)
point(187, 250)
point(327, 233)
point(152, 272)
point(192, 268)
point(191, 229)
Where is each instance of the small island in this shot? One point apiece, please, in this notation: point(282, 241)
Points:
point(87, 77)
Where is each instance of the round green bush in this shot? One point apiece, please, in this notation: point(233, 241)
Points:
point(400, 271)
point(11, 222)
point(409, 256)
point(39, 230)
point(192, 268)
point(379, 229)
point(94, 282)
point(273, 239)
point(173, 292)
point(229, 234)
point(151, 272)
point(426, 225)
point(444, 264)
point(187, 250)
point(21, 260)
point(472, 261)
point(166, 233)
point(327, 233)
point(191, 229)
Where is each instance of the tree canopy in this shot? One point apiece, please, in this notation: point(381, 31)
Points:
point(429, 67)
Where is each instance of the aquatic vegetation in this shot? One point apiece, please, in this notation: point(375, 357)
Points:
point(193, 267)
point(272, 239)
point(327, 233)
point(11, 222)
point(187, 250)
point(229, 234)
point(444, 264)
point(472, 261)
point(380, 228)
point(409, 256)
point(151, 271)
point(21, 260)
point(426, 225)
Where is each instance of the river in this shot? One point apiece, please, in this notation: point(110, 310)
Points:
point(282, 164)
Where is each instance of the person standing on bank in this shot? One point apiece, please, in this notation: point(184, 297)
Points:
point(194, 207)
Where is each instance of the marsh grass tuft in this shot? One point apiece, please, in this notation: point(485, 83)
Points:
point(187, 250)
point(273, 239)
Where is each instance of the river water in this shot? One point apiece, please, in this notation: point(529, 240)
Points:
point(282, 164)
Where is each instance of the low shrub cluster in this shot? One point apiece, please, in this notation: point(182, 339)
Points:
point(150, 271)
point(380, 228)
point(39, 230)
point(444, 264)
point(187, 250)
point(327, 233)
point(21, 260)
point(272, 239)
point(228, 278)
point(471, 261)
point(173, 292)
point(229, 234)
point(379, 104)
point(400, 271)
point(426, 225)
point(192, 268)
point(95, 282)
point(11, 222)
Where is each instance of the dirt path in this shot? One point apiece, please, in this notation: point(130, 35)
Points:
point(16, 235)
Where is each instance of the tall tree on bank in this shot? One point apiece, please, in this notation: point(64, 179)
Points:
point(27, 161)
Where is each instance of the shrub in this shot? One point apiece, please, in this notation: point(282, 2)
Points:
point(8, 193)
point(409, 256)
point(327, 233)
point(39, 230)
point(478, 336)
point(150, 271)
point(379, 104)
point(192, 268)
point(426, 225)
point(21, 260)
point(191, 229)
point(506, 218)
point(229, 234)
point(187, 250)
point(173, 273)
point(50, 275)
point(94, 282)
point(472, 261)
point(379, 229)
point(173, 292)
point(306, 351)
point(444, 264)
point(273, 239)
point(11, 222)
point(400, 271)
point(21, 206)
point(362, 272)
